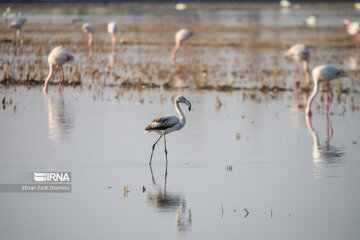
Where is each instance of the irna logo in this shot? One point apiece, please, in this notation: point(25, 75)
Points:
point(52, 176)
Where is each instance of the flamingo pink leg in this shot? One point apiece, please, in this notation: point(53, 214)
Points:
point(329, 129)
point(61, 73)
point(297, 67)
point(58, 68)
point(330, 97)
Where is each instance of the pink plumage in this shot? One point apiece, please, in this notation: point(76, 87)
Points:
point(323, 73)
point(112, 29)
point(352, 28)
point(16, 26)
point(180, 36)
point(300, 52)
point(89, 29)
point(58, 57)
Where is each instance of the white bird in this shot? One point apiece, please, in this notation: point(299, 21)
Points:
point(180, 36)
point(8, 15)
point(89, 29)
point(57, 57)
point(180, 6)
point(300, 52)
point(168, 124)
point(285, 3)
point(352, 28)
point(323, 73)
point(311, 21)
point(357, 6)
point(112, 29)
point(16, 27)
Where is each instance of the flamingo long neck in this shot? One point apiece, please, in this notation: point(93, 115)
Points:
point(50, 73)
point(313, 94)
point(180, 113)
point(175, 49)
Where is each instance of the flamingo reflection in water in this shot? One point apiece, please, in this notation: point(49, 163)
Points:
point(327, 159)
point(169, 202)
point(60, 119)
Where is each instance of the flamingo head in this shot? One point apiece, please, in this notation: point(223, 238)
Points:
point(69, 57)
point(12, 25)
point(182, 99)
point(340, 74)
point(289, 53)
point(346, 22)
point(305, 56)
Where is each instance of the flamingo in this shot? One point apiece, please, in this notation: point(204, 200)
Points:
point(57, 57)
point(311, 21)
point(285, 3)
point(168, 124)
point(16, 26)
point(180, 36)
point(323, 73)
point(89, 29)
point(112, 28)
point(352, 28)
point(300, 52)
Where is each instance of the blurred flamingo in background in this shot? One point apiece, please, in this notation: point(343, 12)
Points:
point(57, 57)
point(16, 27)
point(353, 29)
point(323, 73)
point(285, 3)
point(300, 52)
point(89, 29)
point(112, 29)
point(180, 36)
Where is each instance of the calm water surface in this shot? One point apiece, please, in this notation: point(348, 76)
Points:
point(294, 182)
point(297, 177)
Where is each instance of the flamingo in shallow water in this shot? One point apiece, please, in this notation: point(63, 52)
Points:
point(180, 36)
point(168, 124)
point(112, 29)
point(300, 52)
point(16, 27)
point(89, 29)
point(323, 73)
point(57, 57)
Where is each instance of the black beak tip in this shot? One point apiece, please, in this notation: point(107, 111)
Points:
point(189, 108)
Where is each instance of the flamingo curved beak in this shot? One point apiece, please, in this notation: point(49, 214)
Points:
point(340, 74)
point(288, 53)
point(189, 104)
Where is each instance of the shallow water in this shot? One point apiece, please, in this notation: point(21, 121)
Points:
point(290, 187)
point(246, 149)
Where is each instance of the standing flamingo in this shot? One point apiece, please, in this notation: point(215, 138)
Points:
point(112, 29)
point(16, 26)
point(180, 36)
point(352, 28)
point(168, 124)
point(323, 73)
point(300, 52)
point(89, 29)
point(57, 57)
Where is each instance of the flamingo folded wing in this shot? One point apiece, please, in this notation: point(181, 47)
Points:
point(162, 123)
